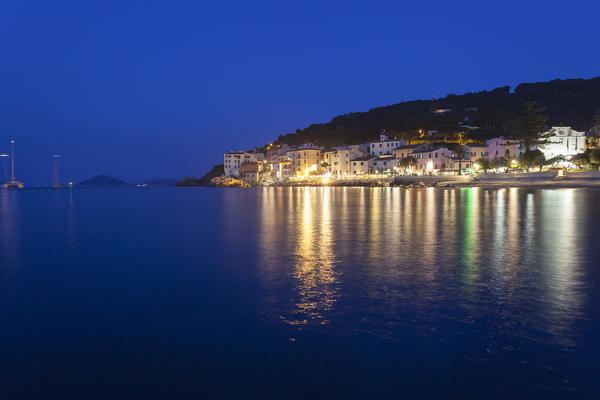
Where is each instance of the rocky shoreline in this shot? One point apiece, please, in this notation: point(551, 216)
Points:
point(538, 180)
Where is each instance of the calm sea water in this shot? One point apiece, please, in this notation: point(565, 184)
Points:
point(299, 292)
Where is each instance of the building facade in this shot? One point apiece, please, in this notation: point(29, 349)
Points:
point(433, 160)
point(282, 170)
point(233, 160)
point(563, 141)
point(384, 165)
point(361, 166)
point(305, 160)
point(500, 147)
point(476, 151)
point(385, 145)
point(338, 160)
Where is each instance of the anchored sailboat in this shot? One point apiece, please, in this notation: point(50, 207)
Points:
point(13, 184)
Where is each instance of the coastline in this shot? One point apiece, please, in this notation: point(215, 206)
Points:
point(546, 184)
point(547, 179)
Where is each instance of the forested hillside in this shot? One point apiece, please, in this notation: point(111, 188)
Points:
point(571, 102)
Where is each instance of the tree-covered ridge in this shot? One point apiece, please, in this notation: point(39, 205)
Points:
point(571, 102)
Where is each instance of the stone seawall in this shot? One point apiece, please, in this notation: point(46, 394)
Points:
point(521, 177)
point(432, 179)
point(583, 175)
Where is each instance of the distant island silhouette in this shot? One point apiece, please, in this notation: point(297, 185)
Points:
point(103, 180)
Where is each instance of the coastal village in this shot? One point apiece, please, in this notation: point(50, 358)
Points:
point(387, 157)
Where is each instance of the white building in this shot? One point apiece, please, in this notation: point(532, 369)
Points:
point(282, 170)
point(234, 160)
point(338, 160)
point(563, 141)
point(385, 145)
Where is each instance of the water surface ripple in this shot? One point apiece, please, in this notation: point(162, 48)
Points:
point(299, 292)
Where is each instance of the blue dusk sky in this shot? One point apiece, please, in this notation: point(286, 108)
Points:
point(161, 89)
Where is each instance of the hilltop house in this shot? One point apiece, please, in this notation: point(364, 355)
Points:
point(385, 145)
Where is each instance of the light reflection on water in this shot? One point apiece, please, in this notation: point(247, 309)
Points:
point(394, 262)
point(380, 290)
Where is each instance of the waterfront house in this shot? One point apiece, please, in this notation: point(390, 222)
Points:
point(329, 157)
point(339, 159)
point(235, 159)
point(305, 160)
point(361, 165)
point(282, 170)
point(456, 165)
point(432, 160)
point(384, 164)
point(249, 172)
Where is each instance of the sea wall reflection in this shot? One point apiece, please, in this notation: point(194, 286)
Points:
point(406, 258)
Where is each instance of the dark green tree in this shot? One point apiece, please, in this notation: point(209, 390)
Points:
point(532, 158)
point(407, 162)
point(500, 162)
point(484, 163)
point(594, 157)
point(581, 160)
point(531, 125)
